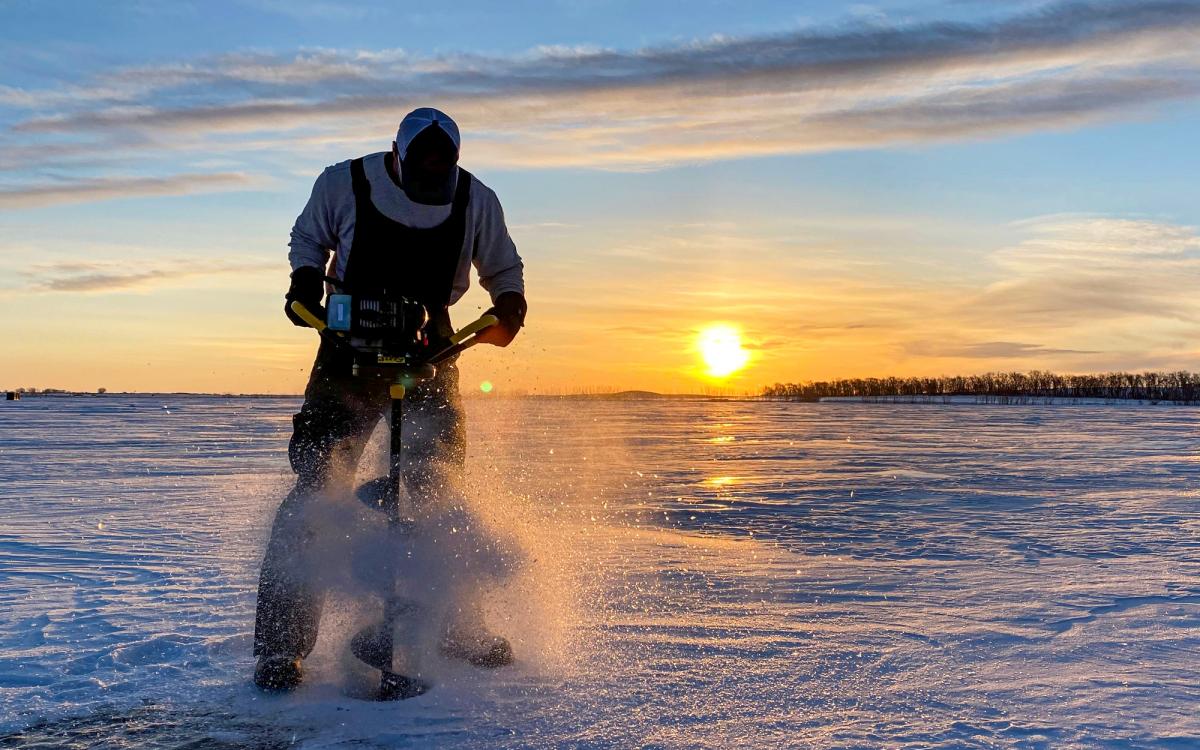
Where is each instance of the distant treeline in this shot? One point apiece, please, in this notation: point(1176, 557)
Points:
point(49, 391)
point(1181, 387)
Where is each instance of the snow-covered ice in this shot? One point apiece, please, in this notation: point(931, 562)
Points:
point(693, 573)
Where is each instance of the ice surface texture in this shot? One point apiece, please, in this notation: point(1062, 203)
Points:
point(762, 574)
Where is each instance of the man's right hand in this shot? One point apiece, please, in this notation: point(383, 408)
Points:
point(308, 288)
point(510, 308)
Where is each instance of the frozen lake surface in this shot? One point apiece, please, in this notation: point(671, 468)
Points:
point(692, 574)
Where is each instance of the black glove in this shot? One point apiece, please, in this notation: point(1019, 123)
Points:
point(308, 288)
point(510, 308)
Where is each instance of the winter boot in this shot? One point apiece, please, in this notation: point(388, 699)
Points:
point(476, 646)
point(278, 674)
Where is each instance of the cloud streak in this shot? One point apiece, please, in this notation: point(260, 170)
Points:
point(1088, 271)
point(111, 188)
point(1060, 34)
point(102, 277)
point(989, 350)
point(796, 92)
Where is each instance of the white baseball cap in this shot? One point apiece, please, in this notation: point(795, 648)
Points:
point(418, 120)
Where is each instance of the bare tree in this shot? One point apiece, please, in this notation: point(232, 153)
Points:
point(1176, 387)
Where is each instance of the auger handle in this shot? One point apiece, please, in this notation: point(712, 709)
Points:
point(485, 321)
point(465, 338)
point(306, 315)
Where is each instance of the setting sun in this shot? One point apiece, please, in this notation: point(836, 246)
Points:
point(721, 349)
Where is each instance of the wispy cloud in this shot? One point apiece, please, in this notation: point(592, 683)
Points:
point(110, 276)
point(718, 98)
point(1084, 271)
point(988, 350)
point(108, 188)
point(542, 225)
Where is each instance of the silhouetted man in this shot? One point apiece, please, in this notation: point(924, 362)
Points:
point(411, 221)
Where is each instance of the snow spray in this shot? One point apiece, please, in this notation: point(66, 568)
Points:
point(485, 552)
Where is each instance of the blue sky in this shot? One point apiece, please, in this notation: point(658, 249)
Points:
point(863, 189)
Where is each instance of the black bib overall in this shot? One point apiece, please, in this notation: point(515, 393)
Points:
point(390, 259)
point(340, 411)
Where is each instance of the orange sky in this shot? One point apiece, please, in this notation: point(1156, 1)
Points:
point(626, 316)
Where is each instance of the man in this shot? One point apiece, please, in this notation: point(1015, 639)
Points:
point(408, 223)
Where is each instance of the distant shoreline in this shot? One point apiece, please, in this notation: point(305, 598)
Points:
point(618, 395)
point(916, 400)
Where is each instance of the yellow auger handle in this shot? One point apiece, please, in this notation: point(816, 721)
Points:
point(307, 316)
point(469, 330)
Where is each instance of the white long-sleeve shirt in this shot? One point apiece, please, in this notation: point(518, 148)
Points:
point(327, 225)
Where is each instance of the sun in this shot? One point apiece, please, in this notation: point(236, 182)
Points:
point(721, 349)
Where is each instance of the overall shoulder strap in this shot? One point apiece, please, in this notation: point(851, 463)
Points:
point(462, 193)
point(358, 179)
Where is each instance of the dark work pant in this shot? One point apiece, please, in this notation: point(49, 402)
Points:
point(328, 438)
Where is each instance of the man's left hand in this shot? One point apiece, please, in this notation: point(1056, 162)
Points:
point(510, 308)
